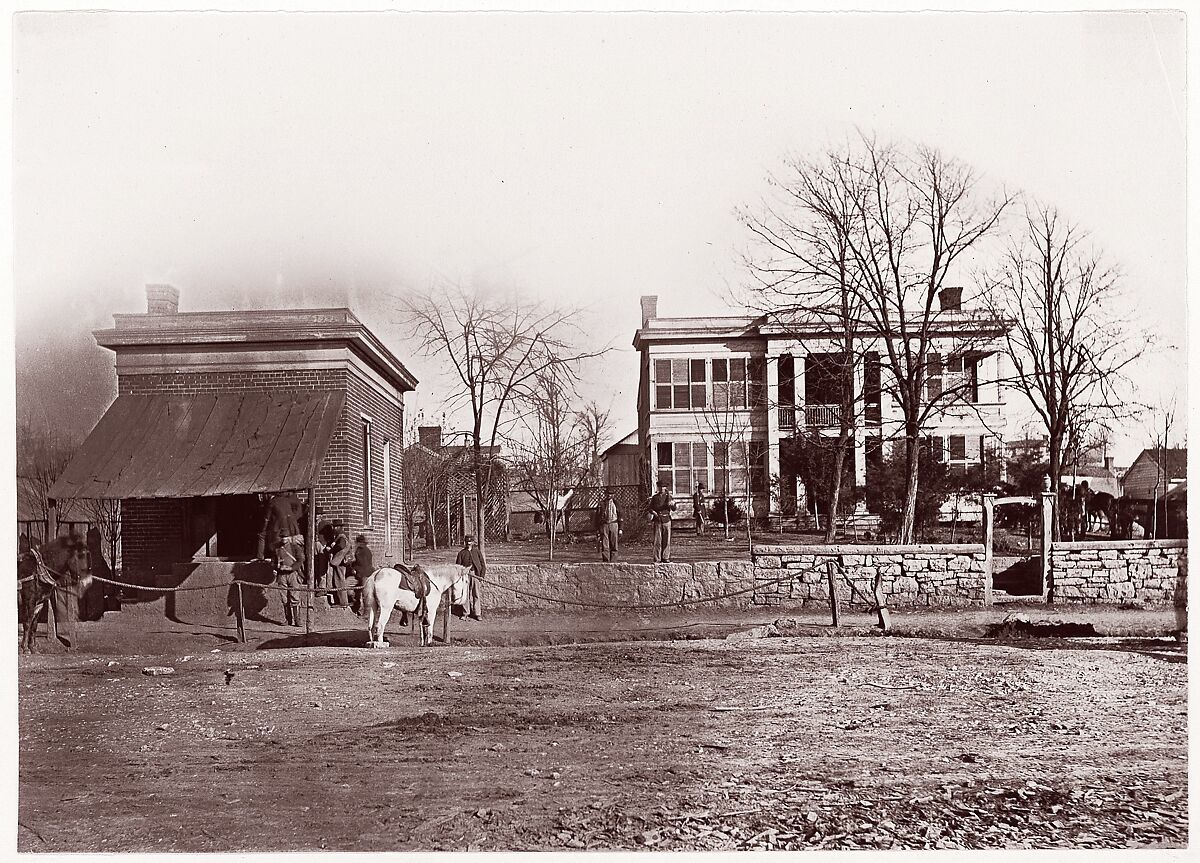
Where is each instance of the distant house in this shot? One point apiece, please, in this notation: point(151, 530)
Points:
point(619, 463)
point(1155, 473)
point(451, 496)
point(1100, 478)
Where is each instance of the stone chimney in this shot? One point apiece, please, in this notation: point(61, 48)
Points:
point(430, 436)
point(1108, 462)
point(649, 309)
point(162, 300)
point(951, 299)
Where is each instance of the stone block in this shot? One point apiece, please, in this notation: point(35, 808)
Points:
point(937, 565)
point(916, 564)
point(768, 562)
point(904, 584)
point(737, 570)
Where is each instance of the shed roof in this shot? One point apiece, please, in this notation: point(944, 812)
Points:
point(202, 445)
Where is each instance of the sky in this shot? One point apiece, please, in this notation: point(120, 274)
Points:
point(306, 160)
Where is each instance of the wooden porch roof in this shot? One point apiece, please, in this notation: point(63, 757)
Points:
point(148, 446)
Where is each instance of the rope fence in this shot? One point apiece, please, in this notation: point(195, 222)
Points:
point(240, 584)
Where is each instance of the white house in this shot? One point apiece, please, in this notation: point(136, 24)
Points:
point(741, 385)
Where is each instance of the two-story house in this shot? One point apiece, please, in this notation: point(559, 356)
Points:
point(719, 395)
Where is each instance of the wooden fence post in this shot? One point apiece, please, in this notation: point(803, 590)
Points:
point(310, 564)
point(834, 601)
point(240, 614)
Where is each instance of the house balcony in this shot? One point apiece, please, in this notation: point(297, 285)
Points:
point(822, 416)
point(787, 416)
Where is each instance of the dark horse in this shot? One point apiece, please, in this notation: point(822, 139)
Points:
point(49, 575)
point(1101, 510)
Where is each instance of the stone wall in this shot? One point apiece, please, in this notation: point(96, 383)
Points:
point(1143, 571)
point(779, 576)
point(913, 575)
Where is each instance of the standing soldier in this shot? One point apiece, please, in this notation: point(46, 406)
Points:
point(341, 555)
point(281, 528)
point(661, 506)
point(289, 557)
point(610, 527)
point(472, 559)
point(363, 566)
point(698, 507)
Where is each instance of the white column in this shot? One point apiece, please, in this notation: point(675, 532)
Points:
point(772, 408)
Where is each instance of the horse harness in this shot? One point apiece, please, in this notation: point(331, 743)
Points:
point(43, 573)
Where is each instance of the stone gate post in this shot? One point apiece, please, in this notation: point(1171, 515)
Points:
point(989, 523)
point(1047, 543)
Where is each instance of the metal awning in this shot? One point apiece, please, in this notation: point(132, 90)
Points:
point(194, 446)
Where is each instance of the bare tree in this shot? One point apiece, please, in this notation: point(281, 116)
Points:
point(105, 515)
point(1162, 422)
point(497, 346)
point(876, 234)
point(425, 476)
point(42, 455)
point(806, 281)
point(726, 423)
point(1069, 347)
point(553, 447)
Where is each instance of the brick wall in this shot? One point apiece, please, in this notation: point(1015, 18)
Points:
point(195, 383)
point(1145, 571)
point(151, 537)
point(339, 489)
point(783, 576)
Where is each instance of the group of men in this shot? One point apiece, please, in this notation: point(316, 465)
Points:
point(661, 507)
point(339, 568)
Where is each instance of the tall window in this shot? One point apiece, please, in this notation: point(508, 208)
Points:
point(962, 376)
point(682, 465)
point(679, 384)
point(933, 377)
point(872, 387)
point(366, 472)
point(758, 466)
point(738, 383)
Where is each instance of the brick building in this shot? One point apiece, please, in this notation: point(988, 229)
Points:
point(214, 409)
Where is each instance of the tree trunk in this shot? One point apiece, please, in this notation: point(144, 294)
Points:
point(553, 519)
point(835, 492)
point(908, 517)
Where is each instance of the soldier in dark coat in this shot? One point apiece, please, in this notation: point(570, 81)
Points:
point(363, 566)
point(281, 521)
point(472, 558)
point(661, 506)
point(341, 556)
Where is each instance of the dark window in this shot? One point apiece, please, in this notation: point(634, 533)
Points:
point(665, 461)
point(825, 376)
point(958, 447)
point(366, 472)
point(933, 377)
point(758, 381)
point(758, 466)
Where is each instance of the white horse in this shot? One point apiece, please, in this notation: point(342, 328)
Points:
point(383, 591)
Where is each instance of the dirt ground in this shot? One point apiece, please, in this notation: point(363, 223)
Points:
point(710, 744)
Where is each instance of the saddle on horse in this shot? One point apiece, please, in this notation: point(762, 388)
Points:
point(416, 582)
